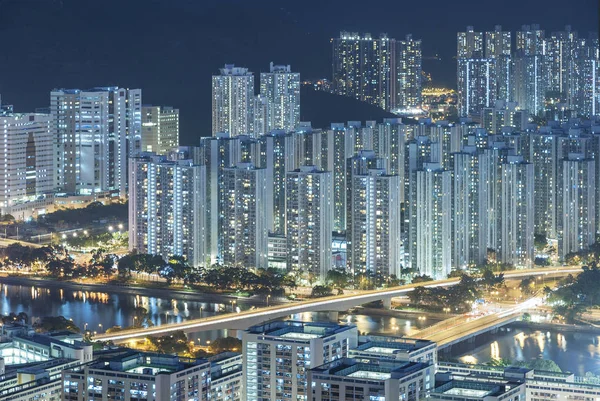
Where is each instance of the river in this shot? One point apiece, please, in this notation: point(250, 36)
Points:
point(573, 352)
point(97, 311)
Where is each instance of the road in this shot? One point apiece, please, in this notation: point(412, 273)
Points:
point(457, 331)
point(245, 319)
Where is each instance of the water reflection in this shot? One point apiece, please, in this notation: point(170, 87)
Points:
point(101, 310)
point(574, 352)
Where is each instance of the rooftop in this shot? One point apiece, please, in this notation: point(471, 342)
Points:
point(475, 389)
point(299, 330)
point(147, 363)
point(377, 370)
point(391, 345)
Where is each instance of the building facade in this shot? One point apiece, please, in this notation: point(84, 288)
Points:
point(281, 89)
point(309, 205)
point(279, 355)
point(160, 129)
point(233, 101)
point(167, 208)
point(95, 130)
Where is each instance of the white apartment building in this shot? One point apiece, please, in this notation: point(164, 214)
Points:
point(27, 160)
point(281, 89)
point(95, 130)
point(233, 101)
point(309, 202)
point(279, 355)
point(167, 208)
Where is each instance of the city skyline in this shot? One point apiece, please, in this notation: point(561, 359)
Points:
point(59, 60)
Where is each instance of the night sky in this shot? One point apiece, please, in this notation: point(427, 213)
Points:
point(170, 48)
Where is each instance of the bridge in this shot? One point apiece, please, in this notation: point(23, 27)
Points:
point(243, 320)
point(455, 330)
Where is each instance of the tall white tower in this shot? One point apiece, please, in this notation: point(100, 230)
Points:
point(233, 101)
point(281, 89)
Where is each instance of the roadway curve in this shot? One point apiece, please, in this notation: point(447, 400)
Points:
point(246, 319)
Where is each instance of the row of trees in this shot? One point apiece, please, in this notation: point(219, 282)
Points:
point(576, 295)
point(460, 297)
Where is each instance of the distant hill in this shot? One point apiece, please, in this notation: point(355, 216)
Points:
point(322, 109)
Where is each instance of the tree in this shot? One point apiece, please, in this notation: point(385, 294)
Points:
point(421, 279)
point(21, 317)
point(338, 278)
point(61, 267)
point(547, 365)
point(56, 323)
point(7, 218)
point(526, 285)
point(175, 343)
point(490, 280)
point(455, 273)
point(125, 265)
point(225, 344)
point(141, 318)
point(540, 242)
point(393, 281)
point(321, 291)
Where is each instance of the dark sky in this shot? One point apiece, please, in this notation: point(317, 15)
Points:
point(170, 48)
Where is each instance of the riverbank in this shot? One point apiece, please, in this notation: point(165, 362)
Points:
point(575, 328)
point(187, 295)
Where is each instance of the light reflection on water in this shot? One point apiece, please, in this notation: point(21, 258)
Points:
point(101, 310)
point(574, 352)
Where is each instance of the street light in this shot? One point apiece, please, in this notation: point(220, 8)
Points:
point(120, 226)
point(85, 327)
point(268, 296)
point(111, 228)
point(134, 319)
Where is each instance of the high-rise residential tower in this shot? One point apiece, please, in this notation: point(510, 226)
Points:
point(434, 221)
point(409, 70)
point(167, 209)
point(233, 101)
point(469, 231)
point(280, 87)
point(476, 83)
point(498, 47)
point(27, 163)
point(516, 240)
point(576, 206)
point(373, 219)
point(160, 129)
point(365, 68)
point(309, 204)
point(469, 44)
point(244, 225)
point(96, 130)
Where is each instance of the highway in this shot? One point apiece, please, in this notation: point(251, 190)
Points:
point(248, 318)
point(448, 335)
